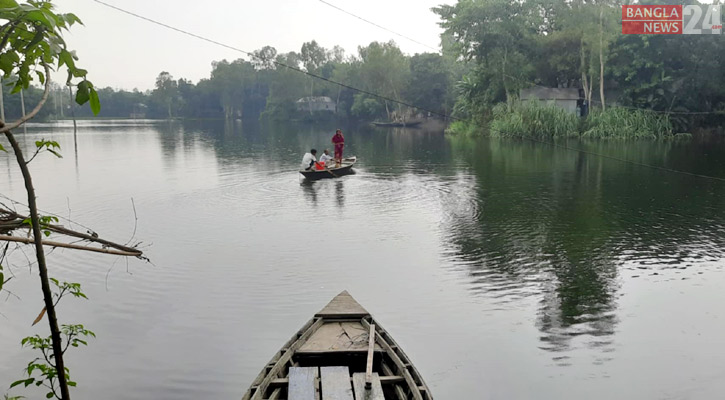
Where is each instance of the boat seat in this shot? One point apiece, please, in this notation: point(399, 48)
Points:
point(374, 393)
point(336, 383)
point(302, 383)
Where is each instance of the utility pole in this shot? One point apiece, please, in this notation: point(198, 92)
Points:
point(22, 109)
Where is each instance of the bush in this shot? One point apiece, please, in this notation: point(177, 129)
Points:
point(622, 123)
point(464, 128)
point(532, 119)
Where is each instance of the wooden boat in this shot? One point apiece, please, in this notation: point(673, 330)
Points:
point(342, 353)
point(409, 124)
point(345, 168)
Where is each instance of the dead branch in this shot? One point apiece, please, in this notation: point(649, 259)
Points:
point(136, 253)
point(10, 221)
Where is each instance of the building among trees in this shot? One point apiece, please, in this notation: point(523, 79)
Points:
point(566, 98)
point(317, 103)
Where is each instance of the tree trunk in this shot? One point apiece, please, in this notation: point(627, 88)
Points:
point(312, 91)
point(337, 102)
point(2, 104)
point(503, 77)
point(43, 269)
point(585, 83)
point(72, 111)
point(22, 109)
point(601, 58)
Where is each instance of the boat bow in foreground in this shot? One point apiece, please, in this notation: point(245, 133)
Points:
point(342, 353)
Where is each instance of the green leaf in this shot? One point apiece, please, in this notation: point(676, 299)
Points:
point(95, 102)
point(2, 148)
point(39, 16)
point(72, 18)
point(8, 4)
point(46, 233)
point(2, 280)
point(72, 384)
point(83, 93)
point(16, 383)
point(65, 57)
point(55, 153)
point(80, 72)
point(39, 35)
point(8, 60)
point(49, 395)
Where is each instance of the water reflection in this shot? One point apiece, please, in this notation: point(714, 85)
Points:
point(557, 226)
point(339, 193)
point(310, 190)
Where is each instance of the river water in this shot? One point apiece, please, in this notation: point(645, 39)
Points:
point(506, 269)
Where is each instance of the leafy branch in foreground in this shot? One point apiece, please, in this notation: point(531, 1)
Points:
point(73, 336)
point(31, 45)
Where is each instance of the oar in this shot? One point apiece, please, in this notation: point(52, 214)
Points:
point(328, 170)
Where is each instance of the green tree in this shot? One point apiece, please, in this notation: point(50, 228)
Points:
point(384, 70)
point(166, 92)
point(430, 84)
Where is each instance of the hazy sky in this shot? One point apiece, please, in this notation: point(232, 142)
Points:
point(122, 51)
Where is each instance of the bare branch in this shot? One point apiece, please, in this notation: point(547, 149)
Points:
point(136, 253)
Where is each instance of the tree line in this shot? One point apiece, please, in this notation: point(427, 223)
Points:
point(490, 50)
point(269, 84)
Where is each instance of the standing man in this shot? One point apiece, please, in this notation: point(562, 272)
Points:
point(339, 141)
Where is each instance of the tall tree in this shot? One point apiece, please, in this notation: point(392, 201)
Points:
point(167, 91)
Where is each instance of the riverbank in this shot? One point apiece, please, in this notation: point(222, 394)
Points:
point(535, 120)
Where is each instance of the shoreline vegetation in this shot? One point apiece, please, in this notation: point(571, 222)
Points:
point(534, 120)
point(636, 86)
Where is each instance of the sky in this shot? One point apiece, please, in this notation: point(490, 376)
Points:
point(124, 52)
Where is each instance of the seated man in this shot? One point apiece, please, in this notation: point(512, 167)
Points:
point(326, 158)
point(309, 159)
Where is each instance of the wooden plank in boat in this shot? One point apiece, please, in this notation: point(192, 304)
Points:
point(338, 336)
point(375, 393)
point(302, 383)
point(336, 383)
point(343, 306)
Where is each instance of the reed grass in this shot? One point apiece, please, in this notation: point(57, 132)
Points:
point(532, 119)
point(622, 123)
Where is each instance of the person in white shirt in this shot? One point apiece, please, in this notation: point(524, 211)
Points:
point(308, 161)
point(325, 158)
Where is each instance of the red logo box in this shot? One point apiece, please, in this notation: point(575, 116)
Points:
point(658, 20)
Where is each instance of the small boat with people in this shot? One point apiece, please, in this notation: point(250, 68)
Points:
point(328, 166)
point(342, 353)
point(321, 171)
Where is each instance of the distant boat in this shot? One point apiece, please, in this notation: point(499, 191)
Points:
point(345, 168)
point(342, 353)
point(407, 124)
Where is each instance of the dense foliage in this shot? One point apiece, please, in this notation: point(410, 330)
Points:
point(490, 50)
point(511, 44)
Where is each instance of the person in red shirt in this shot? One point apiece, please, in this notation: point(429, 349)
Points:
point(339, 141)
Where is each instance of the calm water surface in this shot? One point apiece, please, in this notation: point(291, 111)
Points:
point(505, 269)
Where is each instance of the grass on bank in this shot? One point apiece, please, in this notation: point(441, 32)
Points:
point(536, 120)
